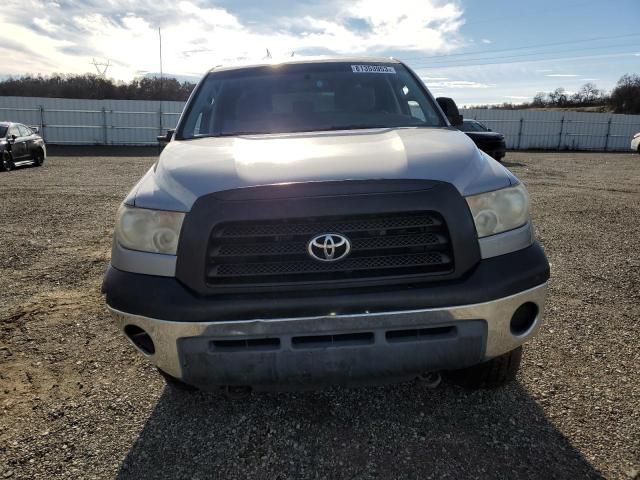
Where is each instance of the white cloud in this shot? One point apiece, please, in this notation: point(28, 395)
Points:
point(196, 37)
point(45, 24)
point(562, 75)
point(458, 84)
point(486, 41)
point(516, 97)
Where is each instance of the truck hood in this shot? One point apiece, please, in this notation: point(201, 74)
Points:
point(188, 169)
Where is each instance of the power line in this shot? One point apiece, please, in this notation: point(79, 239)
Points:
point(445, 63)
point(479, 52)
point(615, 54)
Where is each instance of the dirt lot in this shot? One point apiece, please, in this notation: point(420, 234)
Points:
point(78, 401)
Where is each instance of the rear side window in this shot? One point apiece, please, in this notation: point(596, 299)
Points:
point(307, 97)
point(24, 131)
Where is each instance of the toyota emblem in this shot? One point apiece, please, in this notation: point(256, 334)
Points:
point(329, 247)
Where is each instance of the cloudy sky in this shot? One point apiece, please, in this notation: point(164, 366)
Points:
point(485, 51)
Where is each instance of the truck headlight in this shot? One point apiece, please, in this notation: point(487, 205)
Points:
point(148, 230)
point(500, 210)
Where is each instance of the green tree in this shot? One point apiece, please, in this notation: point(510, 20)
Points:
point(95, 87)
point(625, 97)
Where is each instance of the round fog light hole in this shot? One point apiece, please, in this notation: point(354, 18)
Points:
point(140, 339)
point(523, 318)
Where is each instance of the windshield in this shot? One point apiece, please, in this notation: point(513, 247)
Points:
point(307, 97)
point(3, 131)
point(472, 126)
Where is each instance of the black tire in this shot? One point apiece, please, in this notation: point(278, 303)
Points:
point(176, 384)
point(494, 373)
point(6, 162)
point(38, 158)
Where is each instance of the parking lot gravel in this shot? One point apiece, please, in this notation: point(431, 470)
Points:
point(76, 400)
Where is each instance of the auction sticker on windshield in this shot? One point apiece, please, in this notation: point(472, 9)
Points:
point(372, 69)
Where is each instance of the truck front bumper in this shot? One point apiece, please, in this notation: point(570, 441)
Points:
point(324, 337)
point(336, 348)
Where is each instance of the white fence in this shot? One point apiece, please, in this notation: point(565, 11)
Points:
point(529, 129)
point(139, 122)
point(93, 122)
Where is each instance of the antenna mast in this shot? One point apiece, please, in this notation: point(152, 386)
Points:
point(160, 41)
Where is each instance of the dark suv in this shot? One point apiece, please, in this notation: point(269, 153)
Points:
point(490, 142)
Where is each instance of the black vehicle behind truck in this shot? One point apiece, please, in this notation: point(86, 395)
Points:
point(20, 145)
point(492, 143)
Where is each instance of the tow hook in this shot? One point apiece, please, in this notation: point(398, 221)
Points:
point(430, 379)
point(236, 392)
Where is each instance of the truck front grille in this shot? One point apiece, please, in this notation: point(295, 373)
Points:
point(275, 251)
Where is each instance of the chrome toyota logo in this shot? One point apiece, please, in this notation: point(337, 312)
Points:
point(329, 247)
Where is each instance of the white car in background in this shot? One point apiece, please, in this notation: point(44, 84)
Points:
point(635, 142)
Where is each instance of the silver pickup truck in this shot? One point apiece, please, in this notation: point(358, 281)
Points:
point(322, 221)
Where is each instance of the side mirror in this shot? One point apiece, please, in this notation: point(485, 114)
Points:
point(450, 109)
point(166, 138)
point(13, 138)
point(489, 130)
point(35, 129)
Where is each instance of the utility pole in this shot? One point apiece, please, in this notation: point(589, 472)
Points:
point(160, 39)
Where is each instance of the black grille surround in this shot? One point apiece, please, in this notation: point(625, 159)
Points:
point(253, 240)
point(275, 251)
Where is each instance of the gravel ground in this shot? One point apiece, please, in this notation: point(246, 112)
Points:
point(78, 401)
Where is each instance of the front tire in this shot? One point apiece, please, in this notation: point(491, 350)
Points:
point(6, 162)
point(493, 373)
point(38, 158)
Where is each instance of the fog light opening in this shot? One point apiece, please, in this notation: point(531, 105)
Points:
point(140, 339)
point(524, 318)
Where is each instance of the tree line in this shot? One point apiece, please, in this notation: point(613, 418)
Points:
point(624, 98)
point(96, 87)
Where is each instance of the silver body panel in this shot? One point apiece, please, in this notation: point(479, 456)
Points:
point(189, 169)
point(507, 242)
point(147, 263)
point(497, 314)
